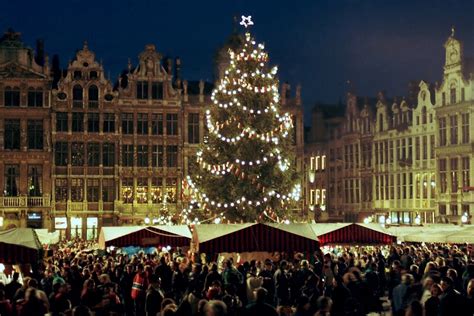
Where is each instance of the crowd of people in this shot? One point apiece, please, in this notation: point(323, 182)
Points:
point(412, 280)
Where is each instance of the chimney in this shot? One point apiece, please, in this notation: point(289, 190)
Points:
point(39, 58)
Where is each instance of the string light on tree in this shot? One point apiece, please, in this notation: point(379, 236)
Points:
point(245, 167)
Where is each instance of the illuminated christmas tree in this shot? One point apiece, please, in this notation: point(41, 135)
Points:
point(246, 170)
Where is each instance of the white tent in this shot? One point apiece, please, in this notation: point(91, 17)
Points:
point(19, 245)
point(47, 238)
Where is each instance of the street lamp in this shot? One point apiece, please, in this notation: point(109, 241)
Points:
point(464, 218)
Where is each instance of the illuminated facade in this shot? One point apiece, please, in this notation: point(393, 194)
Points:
point(400, 161)
point(80, 152)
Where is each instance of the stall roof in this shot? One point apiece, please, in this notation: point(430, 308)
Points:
point(206, 232)
point(347, 233)
point(19, 245)
point(144, 235)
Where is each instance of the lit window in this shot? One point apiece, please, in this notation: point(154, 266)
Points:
point(317, 162)
point(311, 197)
point(323, 196)
point(318, 196)
point(312, 164)
point(323, 162)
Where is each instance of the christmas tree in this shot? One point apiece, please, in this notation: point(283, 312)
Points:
point(245, 168)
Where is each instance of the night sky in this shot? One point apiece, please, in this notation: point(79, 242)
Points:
point(377, 45)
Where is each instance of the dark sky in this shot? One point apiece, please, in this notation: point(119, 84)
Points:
point(377, 44)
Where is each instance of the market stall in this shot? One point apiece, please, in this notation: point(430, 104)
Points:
point(347, 233)
point(19, 245)
point(145, 236)
point(254, 237)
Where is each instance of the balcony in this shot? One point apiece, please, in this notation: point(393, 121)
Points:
point(25, 201)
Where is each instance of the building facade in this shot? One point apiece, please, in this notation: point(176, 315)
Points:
point(396, 161)
point(82, 152)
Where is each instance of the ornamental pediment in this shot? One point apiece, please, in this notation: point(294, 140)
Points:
point(13, 70)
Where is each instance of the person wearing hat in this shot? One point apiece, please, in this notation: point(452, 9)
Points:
point(154, 296)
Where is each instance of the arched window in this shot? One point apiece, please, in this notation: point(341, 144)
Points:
point(453, 93)
point(77, 97)
point(423, 115)
point(380, 122)
point(93, 97)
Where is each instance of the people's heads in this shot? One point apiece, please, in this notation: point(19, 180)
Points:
point(228, 263)
point(446, 283)
point(407, 279)
point(26, 281)
point(16, 276)
point(154, 279)
point(304, 264)
point(453, 274)
point(260, 294)
point(427, 283)
point(470, 288)
point(169, 310)
point(31, 294)
point(414, 309)
point(140, 268)
point(81, 310)
point(324, 304)
point(166, 302)
point(302, 302)
point(436, 290)
point(104, 278)
point(33, 283)
point(200, 306)
point(215, 308)
point(89, 284)
point(283, 264)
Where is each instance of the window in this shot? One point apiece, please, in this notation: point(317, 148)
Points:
point(142, 124)
point(61, 122)
point(108, 190)
point(12, 180)
point(442, 131)
point(61, 153)
point(454, 129)
point(424, 188)
point(12, 96)
point(433, 186)
point(158, 156)
point(127, 123)
point(316, 159)
point(417, 148)
point(380, 122)
point(442, 209)
point(171, 189)
point(77, 190)
point(410, 185)
point(443, 99)
point(77, 75)
point(35, 183)
point(77, 122)
point(35, 134)
point(465, 172)
point(410, 149)
point(127, 155)
point(142, 156)
point(454, 209)
point(157, 124)
point(312, 197)
point(423, 115)
point(295, 128)
point(108, 154)
point(465, 209)
point(157, 90)
point(425, 147)
point(109, 123)
point(92, 190)
point(142, 90)
point(77, 154)
point(465, 128)
point(93, 122)
point(77, 97)
point(93, 75)
point(127, 190)
point(12, 134)
point(390, 149)
point(323, 162)
point(453, 95)
point(404, 185)
point(392, 186)
point(172, 124)
point(193, 128)
point(35, 97)
point(172, 156)
point(157, 190)
point(93, 97)
point(60, 190)
point(463, 97)
point(142, 190)
point(443, 175)
point(93, 154)
point(432, 146)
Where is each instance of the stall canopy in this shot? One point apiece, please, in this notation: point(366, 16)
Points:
point(46, 237)
point(19, 245)
point(345, 233)
point(254, 237)
point(144, 236)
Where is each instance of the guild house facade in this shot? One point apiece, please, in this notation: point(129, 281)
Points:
point(400, 161)
point(79, 151)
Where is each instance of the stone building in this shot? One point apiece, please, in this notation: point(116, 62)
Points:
point(25, 139)
point(396, 161)
point(81, 152)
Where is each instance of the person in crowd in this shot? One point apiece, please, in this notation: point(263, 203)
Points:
point(154, 296)
point(138, 292)
point(260, 307)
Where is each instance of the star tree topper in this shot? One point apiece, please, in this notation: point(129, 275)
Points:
point(246, 21)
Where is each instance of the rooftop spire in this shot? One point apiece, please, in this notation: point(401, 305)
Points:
point(452, 31)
